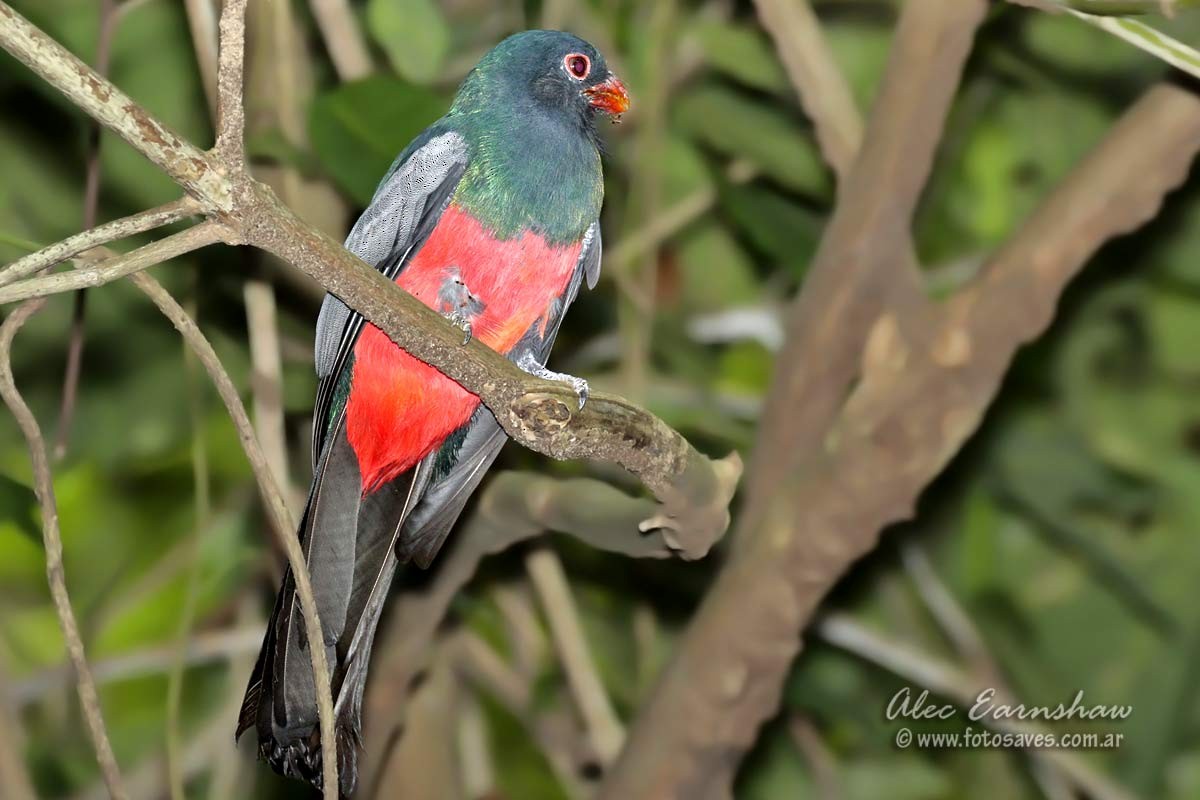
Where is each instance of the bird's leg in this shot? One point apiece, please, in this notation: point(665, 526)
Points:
point(527, 362)
point(457, 304)
point(463, 323)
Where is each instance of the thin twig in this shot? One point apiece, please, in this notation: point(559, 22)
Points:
point(639, 278)
point(343, 38)
point(549, 581)
point(227, 764)
point(815, 74)
point(283, 525)
point(954, 621)
point(91, 202)
point(231, 75)
point(474, 750)
point(202, 20)
point(946, 610)
point(15, 780)
point(512, 508)
point(555, 733)
point(202, 648)
point(266, 379)
point(116, 267)
point(187, 617)
point(821, 761)
point(52, 541)
point(103, 234)
point(669, 222)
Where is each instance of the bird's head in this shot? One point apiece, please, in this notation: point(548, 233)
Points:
point(549, 71)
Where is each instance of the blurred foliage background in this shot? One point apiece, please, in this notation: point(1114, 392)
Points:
point(1066, 532)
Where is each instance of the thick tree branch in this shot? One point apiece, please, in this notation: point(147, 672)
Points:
point(911, 411)
point(864, 258)
point(541, 415)
point(52, 542)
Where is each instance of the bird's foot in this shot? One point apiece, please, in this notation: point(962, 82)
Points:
point(463, 323)
point(530, 365)
point(457, 304)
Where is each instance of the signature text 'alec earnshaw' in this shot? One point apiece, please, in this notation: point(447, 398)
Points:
point(904, 706)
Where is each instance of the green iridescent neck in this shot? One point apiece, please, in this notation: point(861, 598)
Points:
point(528, 169)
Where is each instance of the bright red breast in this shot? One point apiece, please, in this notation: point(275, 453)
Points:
point(401, 409)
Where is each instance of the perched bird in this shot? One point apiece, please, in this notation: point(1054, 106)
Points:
point(490, 216)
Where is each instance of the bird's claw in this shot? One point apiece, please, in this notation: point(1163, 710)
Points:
point(580, 386)
point(463, 323)
point(530, 365)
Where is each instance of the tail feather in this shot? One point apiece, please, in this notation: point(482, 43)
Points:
point(349, 545)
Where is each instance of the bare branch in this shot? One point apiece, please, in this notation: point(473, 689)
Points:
point(103, 234)
point(52, 541)
point(266, 380)
point(863, 260)
point(343, 38)
point(183, 162)
point(231, 75)
point(15, 780)
point(202, 648)
point(822, 88)
point(550, 583)
point(111, 269)
point(281, 518)
point(474, 749)
point(202, 20)
point(109, 19)
point(554, 732)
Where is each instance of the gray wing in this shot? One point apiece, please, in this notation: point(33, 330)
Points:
point(405, 209)
point(473, 448)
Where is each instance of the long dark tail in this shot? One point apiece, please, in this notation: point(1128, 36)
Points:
point(349, 544)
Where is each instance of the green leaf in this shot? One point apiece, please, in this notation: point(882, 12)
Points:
point(737, 125)
point(784, 230)
point(413, 33)
point(716, 272)
point(743, 53)
point(359, 128)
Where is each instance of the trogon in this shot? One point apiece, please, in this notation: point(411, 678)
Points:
point(490, 216)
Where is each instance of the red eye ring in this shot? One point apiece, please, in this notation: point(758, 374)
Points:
point(577, 65)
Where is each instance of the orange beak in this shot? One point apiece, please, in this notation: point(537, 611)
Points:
point(609, 96)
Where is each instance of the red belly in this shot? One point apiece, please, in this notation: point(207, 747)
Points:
point(401, 409)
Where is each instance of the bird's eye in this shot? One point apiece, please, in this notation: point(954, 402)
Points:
point(578, 65)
